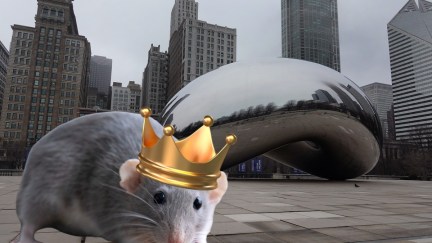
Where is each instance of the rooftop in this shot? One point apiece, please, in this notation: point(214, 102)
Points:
point(293, 211)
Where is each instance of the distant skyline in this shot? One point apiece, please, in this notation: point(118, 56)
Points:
point(124, 32)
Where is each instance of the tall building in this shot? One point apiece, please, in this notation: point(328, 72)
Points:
point(100, 73)
point(4, 58)
point(310, 31)
point(96, 99)
point(382, 99)
point(120, 97)
point(48, 74)
point(197, 47)
point(125, 98)
point(100, 81)
point(155, 78)
point(135, 97)
point(410, 44)
point(182, 9)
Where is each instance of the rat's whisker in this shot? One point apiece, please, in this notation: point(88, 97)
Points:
point(111, 170)
point(150, 196)
point(141, 238)
point(138, 216)
point(130, 227)
point(130, 194)
point(152, 207)
point(135, 232)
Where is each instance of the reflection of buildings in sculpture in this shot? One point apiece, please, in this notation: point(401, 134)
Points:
point(331, 141)
point(196, 47)
point(357, 105)
point(171, 105)
point(4, 57)
point(364, 103)
point(323, 96)
point(381, 98)
point(410, 44)
point(347, 101)
point(310, 31)
point(48, 73)
point(365, 107)
point(155, 78)
point(259, 167)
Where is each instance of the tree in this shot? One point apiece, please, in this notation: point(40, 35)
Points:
point(13, 154)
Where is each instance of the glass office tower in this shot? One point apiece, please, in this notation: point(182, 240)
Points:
point(410, 44)
point(310, 31)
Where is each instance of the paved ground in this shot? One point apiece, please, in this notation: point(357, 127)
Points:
point(293, 211)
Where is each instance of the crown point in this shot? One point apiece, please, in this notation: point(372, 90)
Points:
point(168, 130)
point(231, 139)
point(208, 121)
point(146, 112)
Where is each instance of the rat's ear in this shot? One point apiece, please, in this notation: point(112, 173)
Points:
point(216, 194)
point(129, 177)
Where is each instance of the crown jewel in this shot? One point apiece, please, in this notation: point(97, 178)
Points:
point(190, 163)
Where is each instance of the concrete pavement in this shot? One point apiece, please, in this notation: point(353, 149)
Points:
point(292, 211)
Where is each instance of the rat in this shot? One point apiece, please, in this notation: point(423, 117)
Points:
point(81, 179)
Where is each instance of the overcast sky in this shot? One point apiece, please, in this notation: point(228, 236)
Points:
point(123, 30)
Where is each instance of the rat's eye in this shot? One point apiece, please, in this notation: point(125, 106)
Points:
point(159, 197)
point(197, 203)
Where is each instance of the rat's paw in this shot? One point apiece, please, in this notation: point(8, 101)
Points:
point(17, 240)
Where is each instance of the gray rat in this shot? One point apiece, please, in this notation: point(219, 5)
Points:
point(81, 179)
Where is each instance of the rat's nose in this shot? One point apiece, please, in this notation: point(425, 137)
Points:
point(176, 237)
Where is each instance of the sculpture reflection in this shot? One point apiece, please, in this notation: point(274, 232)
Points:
point(299, 113)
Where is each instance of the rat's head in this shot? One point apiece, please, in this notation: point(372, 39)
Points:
point(182, 215)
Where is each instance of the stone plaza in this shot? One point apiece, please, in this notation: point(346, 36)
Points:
point(292, 211)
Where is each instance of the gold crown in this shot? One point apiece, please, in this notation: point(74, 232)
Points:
point(190, 163)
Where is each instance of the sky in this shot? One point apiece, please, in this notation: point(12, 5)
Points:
point(124, 31)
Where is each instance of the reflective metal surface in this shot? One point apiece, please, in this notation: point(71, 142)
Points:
point(299, 113)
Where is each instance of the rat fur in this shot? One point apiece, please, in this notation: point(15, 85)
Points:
point(71, 183)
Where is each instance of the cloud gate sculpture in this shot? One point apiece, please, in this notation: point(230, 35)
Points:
point(299, 113)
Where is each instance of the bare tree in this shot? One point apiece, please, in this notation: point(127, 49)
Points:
point(418, 156)
point(13, 154)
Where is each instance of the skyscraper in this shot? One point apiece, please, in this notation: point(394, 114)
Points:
point(135, 97)
point(410, 44)
point(125, 98)
point(119, 97)
point(197, 47)
point(100, 81)
point(100, 73)
point(382, 99)
point(4, 58)
point(48, 74)
point(310, 31)
point(155, 78)
point(182, 9)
